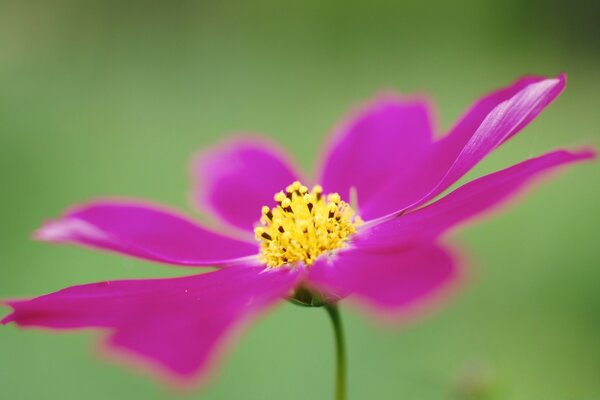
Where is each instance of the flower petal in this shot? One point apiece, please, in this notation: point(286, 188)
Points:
point(393, 283)
point(387, 137)
point(466, 202)
point(145, 231)
point(179, 325)
point(506, 113)
point(479, 111)
point(237, 178)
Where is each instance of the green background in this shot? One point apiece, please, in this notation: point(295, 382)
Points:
point(114, 97)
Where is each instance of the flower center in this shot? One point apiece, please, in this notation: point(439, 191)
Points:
point(304, 225)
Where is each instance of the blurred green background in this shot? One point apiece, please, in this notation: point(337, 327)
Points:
point(113, 97)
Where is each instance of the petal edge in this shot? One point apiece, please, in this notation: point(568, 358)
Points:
point(147, 231)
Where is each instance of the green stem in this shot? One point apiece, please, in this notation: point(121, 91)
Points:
point(340, 383)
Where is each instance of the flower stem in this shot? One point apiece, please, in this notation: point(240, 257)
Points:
point(340, 383)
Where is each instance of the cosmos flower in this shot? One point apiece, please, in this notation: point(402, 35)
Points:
point(368, 228)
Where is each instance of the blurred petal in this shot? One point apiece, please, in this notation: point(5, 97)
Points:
point(506, 113)
point(178, 325)
point(466, 202)
point(386, 138)
point(236, 179)
point(145, 231)
point(393, 283)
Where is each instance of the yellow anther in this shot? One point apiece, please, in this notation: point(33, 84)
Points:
point(303, 226)
point(279, 197)
point(332, 208)
point(286, 203)
point(334, 197)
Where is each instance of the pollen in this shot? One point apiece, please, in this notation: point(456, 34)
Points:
point(304, 225)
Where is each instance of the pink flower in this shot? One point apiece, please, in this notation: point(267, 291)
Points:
point(371, 231)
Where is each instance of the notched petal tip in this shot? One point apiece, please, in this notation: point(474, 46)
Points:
point(12, 316)
point(8, 319)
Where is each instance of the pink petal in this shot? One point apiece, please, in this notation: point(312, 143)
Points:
point(490, 122)
point(387, 137)
point(478, 112)
point(466, 202)
point(237, 178)
point(393, 283)
point(145, 231)
point(178, 325)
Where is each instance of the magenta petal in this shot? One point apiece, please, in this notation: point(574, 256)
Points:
point(236, 179)
point(479, 111)
point(490, 122)
point(178, 325)
point(503, 121)
point(466, 202)
point(393, 283)
point(145, 231)
point(387, 137)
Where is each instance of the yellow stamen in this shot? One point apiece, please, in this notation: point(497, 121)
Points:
point(304, 225)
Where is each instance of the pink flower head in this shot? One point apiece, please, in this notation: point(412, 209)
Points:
point(369, 229)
